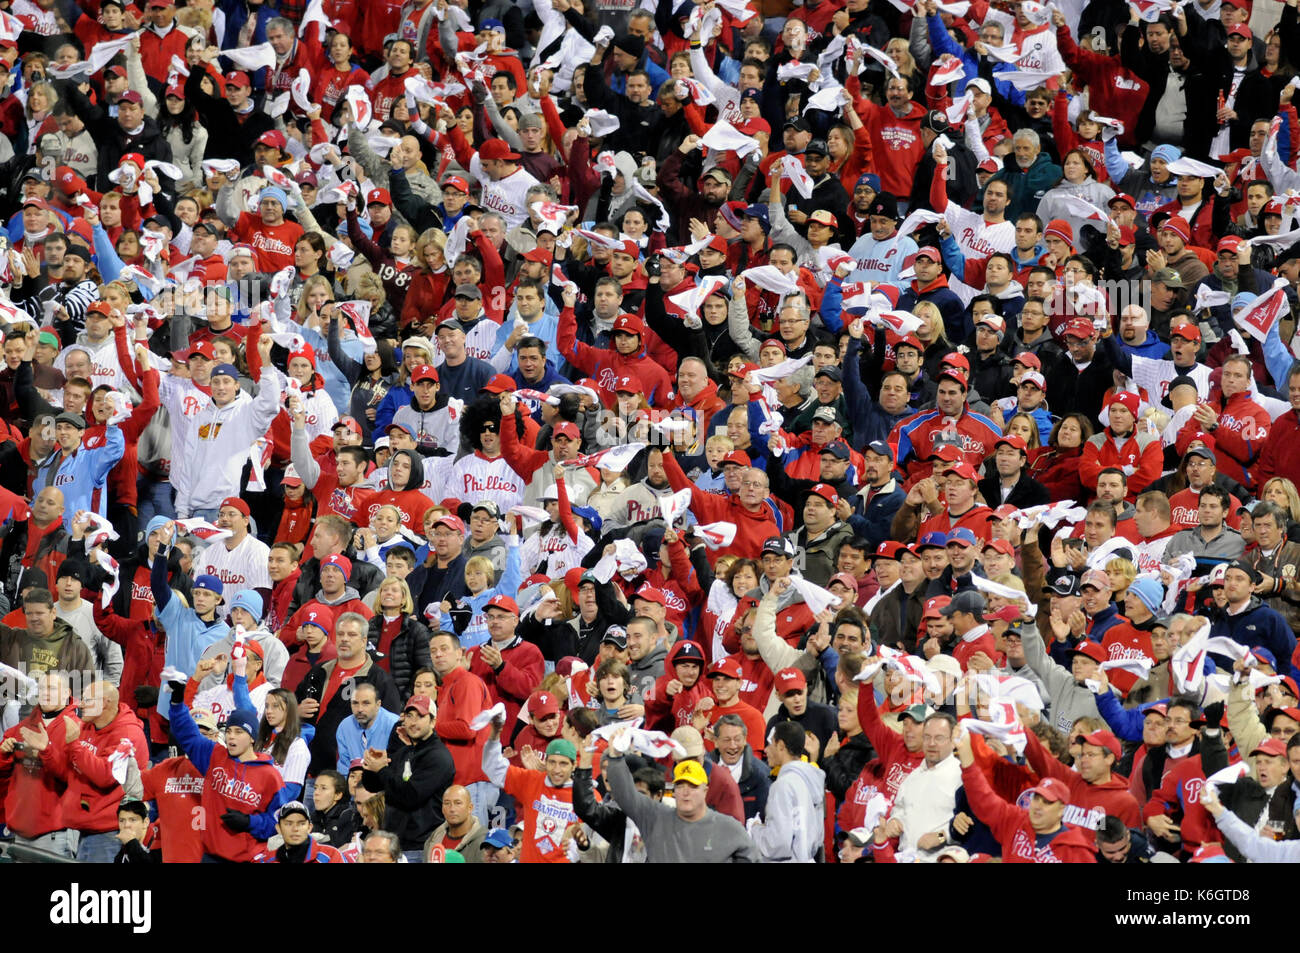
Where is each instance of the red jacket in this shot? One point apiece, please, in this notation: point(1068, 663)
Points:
point(176, 786)
point(1238, 439)
point(522, 670)
point(975, 519)
point(896, 142)
point(984, 642)
point(1280, 454)
point(91, 801)
point(1140, 451)
point(34, 788)
point(752, 527)
point(142, 649)
point(1089, 803)
point(1179, 797)
point(1124, 641)
point(296, 669)
point(755, 680)
point(606, 365)
point(156, 51)
point(461, 696)
point(1010, 825)
point(898, 762)
point(1113, 90)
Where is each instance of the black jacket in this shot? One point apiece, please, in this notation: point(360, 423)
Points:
point(755, 780)
point(605, 817)
point(412, 784)
point(1027, 492)
point(324, 750)
point(338, 824)
point(113, 141)
point(228, 138)
point(408, 652)
point(843, 767)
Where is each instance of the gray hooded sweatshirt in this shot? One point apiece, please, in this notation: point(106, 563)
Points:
point(792, 828)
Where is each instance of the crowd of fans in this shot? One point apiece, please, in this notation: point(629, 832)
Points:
point(558, 431)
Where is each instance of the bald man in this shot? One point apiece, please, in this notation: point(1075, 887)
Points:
point(461, 830)
point(108, 728)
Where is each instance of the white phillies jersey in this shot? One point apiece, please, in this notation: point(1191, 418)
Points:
point(977, 238)
point(105, 367)
point(480, 342)
point(243, 567)
point(184, 402)
point(555, 549)
point(506, 196)
point(475, 478)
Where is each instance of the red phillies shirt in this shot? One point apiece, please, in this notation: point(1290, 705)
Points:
point(272, 244)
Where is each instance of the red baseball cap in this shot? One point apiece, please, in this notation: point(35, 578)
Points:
point(1122, 197)
point(1187, 331)
point(727, 667)
point(1239, 29)
point(910, 340)
point(790, 680)
point(628, 384)
point(930, 252)
point(1005, 511)
point(1029, 360)
point(500, 384)
point(504, 603)
point(272, 137)
point(421, 703)
point(1104, 739)
point(1052, 789)
point(963, 470)
point(1000, 545)
point(628, 324)
point(739, 457)
point(378, 197)
point(456, 182)
point(235, 503)
point(845, 580)
point(203, 349)
point(1274, 747)
point(719, 244)
point(497, 149)
point(889, 549)
point(541, 704)
point(1230, 245)
point(537, 254)
point(425, 372)
point(1014, 441)
point(566, 429)
point(1093, 650)
point(240, 78)
point(350, 423)
point(1005, 614)
point(451, 522)
point(1078, 328)
point(933, 607)
point(827, 493)
point(650, 594)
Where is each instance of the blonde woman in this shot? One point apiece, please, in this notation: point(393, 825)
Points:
point(427, 291)
point(41, 99)
point(1282, 491)
point(932, 334)
point(398, 638)
point(1026, 428)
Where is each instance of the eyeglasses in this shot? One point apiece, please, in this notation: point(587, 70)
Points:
point(754, 484)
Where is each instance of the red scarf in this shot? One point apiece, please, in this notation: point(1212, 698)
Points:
point(337, 677)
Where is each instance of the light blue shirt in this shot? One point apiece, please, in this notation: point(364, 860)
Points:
point(353, 740)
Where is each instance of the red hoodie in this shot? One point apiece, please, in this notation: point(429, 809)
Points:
point(607, 365)
point(176, 786)
point(1089, 803)
point(142, 649)
point(1010, 825)
point(34, 792)
point(91, 801)
point(752, 527)
point(522, 670)
point(461, 697)
point(674, 711)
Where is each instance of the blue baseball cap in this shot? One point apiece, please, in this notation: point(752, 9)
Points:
point(209, 583)
point(250, 602)
point(492, 24)
point(881, 448)
point(931, 541)
point(405, 428)
point(962, 536)
point(590, 515)
point(870, 180)
point(228, 369)
point(498, 838)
